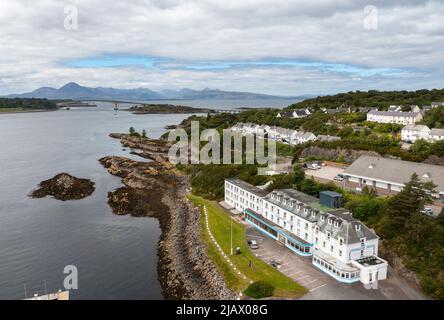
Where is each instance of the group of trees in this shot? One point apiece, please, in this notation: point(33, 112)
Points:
point(417, 238)
point(31, 104)
point(372, 99)
point(134, 133)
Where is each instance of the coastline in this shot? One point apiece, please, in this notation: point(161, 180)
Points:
point(156, 189)
point(27, 111)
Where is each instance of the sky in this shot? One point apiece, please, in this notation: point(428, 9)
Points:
point(278, 47)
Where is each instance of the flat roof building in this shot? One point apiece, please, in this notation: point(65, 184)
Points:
point(392, 174)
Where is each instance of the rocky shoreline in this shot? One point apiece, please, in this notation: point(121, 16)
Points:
point(156, 189)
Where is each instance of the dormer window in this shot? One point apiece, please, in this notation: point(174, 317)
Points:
point(358, 227)
point(330, 221)
point(322, 218)
point(313, 214)
point(337, 224)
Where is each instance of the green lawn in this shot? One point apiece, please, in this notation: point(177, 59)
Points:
point(220, 221)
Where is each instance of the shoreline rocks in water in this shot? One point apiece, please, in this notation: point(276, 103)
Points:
point(156, 189)
point(64, 187)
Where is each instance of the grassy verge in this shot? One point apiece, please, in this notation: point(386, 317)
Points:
point(220, 222)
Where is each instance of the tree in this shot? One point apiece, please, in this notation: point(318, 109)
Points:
point(144, 133)
point(132, 130)
point(404, 205)
point(309, 186)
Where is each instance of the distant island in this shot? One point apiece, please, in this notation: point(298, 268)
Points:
point(26, 105)
point(75, 91)
point(166, 109)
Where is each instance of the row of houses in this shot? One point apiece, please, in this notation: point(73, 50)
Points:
point(414, 132)
point(394, 114)
point(338, 244)
point(288, 136)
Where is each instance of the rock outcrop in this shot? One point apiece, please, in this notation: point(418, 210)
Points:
point(156, 189)
point(64, 187)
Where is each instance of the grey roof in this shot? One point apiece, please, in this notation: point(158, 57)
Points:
point(301, 113)
point(437, 132)
point(415, 127)
point(396, 171)
point(339, 222)
point(249, 187)
point(288, 114)
point(394, 113)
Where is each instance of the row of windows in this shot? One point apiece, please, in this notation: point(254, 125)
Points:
point(341, 274)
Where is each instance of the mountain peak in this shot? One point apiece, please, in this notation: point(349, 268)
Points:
point(70, 85)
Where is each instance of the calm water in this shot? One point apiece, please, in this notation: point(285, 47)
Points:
point(116, 256)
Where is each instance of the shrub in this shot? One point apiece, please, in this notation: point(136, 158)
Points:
point(259, 290)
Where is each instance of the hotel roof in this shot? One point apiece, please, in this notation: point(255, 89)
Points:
point(249, 187)
point(396, 171)
point(339, 222)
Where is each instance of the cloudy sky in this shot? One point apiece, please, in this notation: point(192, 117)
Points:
point(282, 47)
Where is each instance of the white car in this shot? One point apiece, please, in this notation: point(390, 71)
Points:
point(428, 211)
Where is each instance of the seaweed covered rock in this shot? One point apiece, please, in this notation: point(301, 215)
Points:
point(64, 187)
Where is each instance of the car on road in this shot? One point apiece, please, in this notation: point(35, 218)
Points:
point(339, 177)
point(253, 244)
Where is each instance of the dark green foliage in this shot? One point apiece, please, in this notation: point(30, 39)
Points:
point(434, 118)
point(27, 104)
point(259, 290)
point(373, 99)
point(414, 236)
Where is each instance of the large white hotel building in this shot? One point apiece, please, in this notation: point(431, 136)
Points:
point(339, 244)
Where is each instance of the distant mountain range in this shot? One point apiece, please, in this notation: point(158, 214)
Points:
point(75, 91)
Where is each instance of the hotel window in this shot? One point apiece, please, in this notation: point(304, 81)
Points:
point(340, 253)
point(341, 241)
point(316, 240)
point(362, 253)
point(362, 241)
point(306, 226)
point(323, 244)
point(331, 248)
point(306, 236)
point(328, 235)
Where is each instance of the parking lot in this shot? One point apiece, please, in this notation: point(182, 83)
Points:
point(326, 173)
point(299, 269)
point(319, 285)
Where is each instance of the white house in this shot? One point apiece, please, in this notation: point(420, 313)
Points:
point(299, 137)
point(298, 113)
point(437, 104)
point(394, 117)
point(394, 108)
point(338, 244)
point(436, 134)
point(411, 133)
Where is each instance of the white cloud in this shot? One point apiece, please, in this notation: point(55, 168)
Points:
point(36, 48)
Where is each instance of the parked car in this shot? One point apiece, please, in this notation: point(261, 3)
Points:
point(339, 177)
point(314, 166)
point(253, 244)
point(428, 211)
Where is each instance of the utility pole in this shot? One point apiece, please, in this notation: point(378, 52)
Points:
point(231, 232)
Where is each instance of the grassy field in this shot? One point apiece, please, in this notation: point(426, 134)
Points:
point(219, 222)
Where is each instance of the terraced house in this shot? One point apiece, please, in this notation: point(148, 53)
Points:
point(337, 243)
